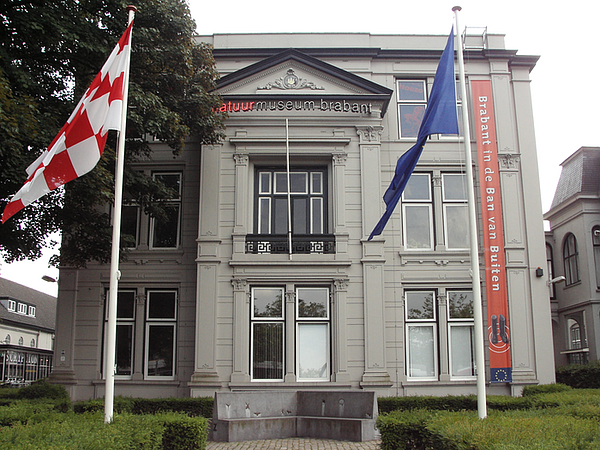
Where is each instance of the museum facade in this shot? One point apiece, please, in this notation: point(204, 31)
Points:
point(263, 277)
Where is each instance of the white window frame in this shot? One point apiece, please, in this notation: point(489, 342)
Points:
point(407, 204)
point(450, 202)
point(122, 321)
point(430, 323)
point(414, 102)
point(170, 322)
point(171, 202)
point(12, 305)
point(310, 321)
point(257, 320)
point(462, 322)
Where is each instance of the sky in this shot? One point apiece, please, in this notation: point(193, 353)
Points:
point(564, 84)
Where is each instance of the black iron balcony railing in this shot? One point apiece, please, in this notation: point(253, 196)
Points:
point(279, 243)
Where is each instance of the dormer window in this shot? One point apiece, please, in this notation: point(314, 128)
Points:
point(22, 308)
point(12, 305)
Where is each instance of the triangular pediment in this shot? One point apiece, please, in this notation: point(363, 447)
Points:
point(292, 73)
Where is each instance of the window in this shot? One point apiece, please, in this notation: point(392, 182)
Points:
point(308, 201)
point(421, 336)
point(161, 307)
point(461, 334)
point(159, 323)
point(267, 334)
point(417, 214)
point(22, 308)
point(21, 340)
point(12, 305)
point(7, 339)
point(130, 224)
point(412, 101)
point(456, 213)
point(125, 328)
point(429, 323)
point(570, 256)
point(31, 311)
point(596, 244)
point(32, 343)
point(164, 231)
point(311, 325)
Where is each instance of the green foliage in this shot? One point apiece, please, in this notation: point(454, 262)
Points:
point(89, 432)
point(544, 389)
point(183, 433)
point(193, 407)
point(573, 424)
point(580, 376)
point(50, 52)
point(43, 389)
point(458, 403)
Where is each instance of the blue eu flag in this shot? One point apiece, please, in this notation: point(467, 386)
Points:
point(439, 118)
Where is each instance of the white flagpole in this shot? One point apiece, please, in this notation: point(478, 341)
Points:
point(111, 328)
point(289, 195)
point(473, 232)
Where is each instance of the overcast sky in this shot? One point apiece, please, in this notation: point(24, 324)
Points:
point(565, 82)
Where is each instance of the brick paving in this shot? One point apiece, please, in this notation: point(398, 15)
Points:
point(295, 444)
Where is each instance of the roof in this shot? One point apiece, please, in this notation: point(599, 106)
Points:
point(45, 306)
point(579, 175)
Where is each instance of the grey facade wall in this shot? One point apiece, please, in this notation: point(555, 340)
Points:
point(367, 280)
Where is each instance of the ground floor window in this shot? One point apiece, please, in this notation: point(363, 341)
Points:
point(281, 328)
point(432, 317)
point(156, 315)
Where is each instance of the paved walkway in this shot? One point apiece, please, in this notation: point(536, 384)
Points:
point(294, 444)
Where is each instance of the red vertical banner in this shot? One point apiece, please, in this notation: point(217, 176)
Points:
point(493, 232)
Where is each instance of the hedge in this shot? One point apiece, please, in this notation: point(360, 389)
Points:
point(193, 407)
point(169, 431)
point(573, 424)
point(460, 403)
point(579, 376)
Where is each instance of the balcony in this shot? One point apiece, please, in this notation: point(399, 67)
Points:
point(272, 244)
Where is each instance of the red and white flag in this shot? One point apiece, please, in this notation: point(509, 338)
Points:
point(78, 146)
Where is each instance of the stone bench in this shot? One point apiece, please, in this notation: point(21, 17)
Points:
point(257, 415)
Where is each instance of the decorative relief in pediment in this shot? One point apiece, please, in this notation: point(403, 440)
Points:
point(291, 81)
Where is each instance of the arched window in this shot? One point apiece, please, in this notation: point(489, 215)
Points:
point(571, 257)
point(596, 244)
point(7, 339)
point(21, 340)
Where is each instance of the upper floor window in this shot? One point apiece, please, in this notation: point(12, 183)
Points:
point(22, 308)
point(418, 200)
point(412, 101)
point(12, 305)
point(571, 257)
point(596, 244)
point(308, 198)
point(165, 230)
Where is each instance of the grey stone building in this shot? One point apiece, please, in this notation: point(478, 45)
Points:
point(573, 248)
point(216, 298)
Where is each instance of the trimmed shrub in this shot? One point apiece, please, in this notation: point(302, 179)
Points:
point(459, 403)
point(544, 389)
point(43, 389)
point(184, 433)
point(120, 405)
point(578, 376)
point(194, 407)
point(408, 430)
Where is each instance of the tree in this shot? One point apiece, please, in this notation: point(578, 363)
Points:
point(50, 53)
